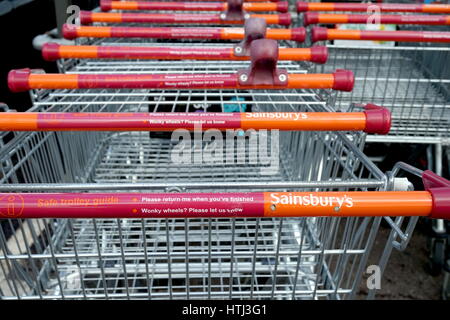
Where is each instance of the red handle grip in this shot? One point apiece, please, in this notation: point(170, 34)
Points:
point(369, 121)
point(72, 32)
point(24, 79)
point(107, 5)
point(53, 51)
point(364, 7)
point(87, 17)
point(319, 34)
point(316, 18)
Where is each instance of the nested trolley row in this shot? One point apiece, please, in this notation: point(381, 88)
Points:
point(198, 258)
point(411, 78)
point(205, 256)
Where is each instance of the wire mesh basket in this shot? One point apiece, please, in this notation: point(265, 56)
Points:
point(412, 81)
point(307, 258)
point(412, 78)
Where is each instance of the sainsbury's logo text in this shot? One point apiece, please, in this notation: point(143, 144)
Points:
point(311, 200)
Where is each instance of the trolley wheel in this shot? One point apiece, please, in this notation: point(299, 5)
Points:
point(446, 282)
point(437, 257)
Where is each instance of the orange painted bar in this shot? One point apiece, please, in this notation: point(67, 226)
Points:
point(95, 32)
point(258, 7)
point(24, 80)
point(276, 34)
point(365, 7)
point(347, 204)
point(348, 35)
point(296, 54)
point(270, 18)
point(78, 52)
point(330, 18)
point(316, 121)
point(289, 121)
point(304, 81)
point(320, 6)
point(124, 5)
point(53, 81)
point(279, 34)
point(24, 121)
point(320, 34)
point(220, 205)
point(88, 17)
point(110, 17)
point(53, 51)
point(192, 6)
point(436, 8)
point(327, 18)
point(232, 33)
point(70, 32)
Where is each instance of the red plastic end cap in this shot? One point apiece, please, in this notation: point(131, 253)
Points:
point(319, 34)
point(343, 80)
point(69, 31)
point(310, 18)
point(319, 54)
point(302, 6)
point(18, 80)
point(378, 119)
point(50, 51)
point(106, 5)
point(283, 6)
point(298, 34)
point(440, 192)
point(285, 19)
point(85, 17)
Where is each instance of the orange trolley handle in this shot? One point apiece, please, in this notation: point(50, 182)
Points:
point(26, 79)
point(54, 51)
point(432, 203)
point(107, 5)
point(325, 18)
point(262, 74)
point(72, 32)
point(374, 119)
point(363, 7)
point(88, 17)
point(320, 34)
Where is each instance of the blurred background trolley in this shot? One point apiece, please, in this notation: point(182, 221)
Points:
point(405, 70)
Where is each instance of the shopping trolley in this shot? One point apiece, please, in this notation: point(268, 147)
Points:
point(121, 255)
point(410, 78)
